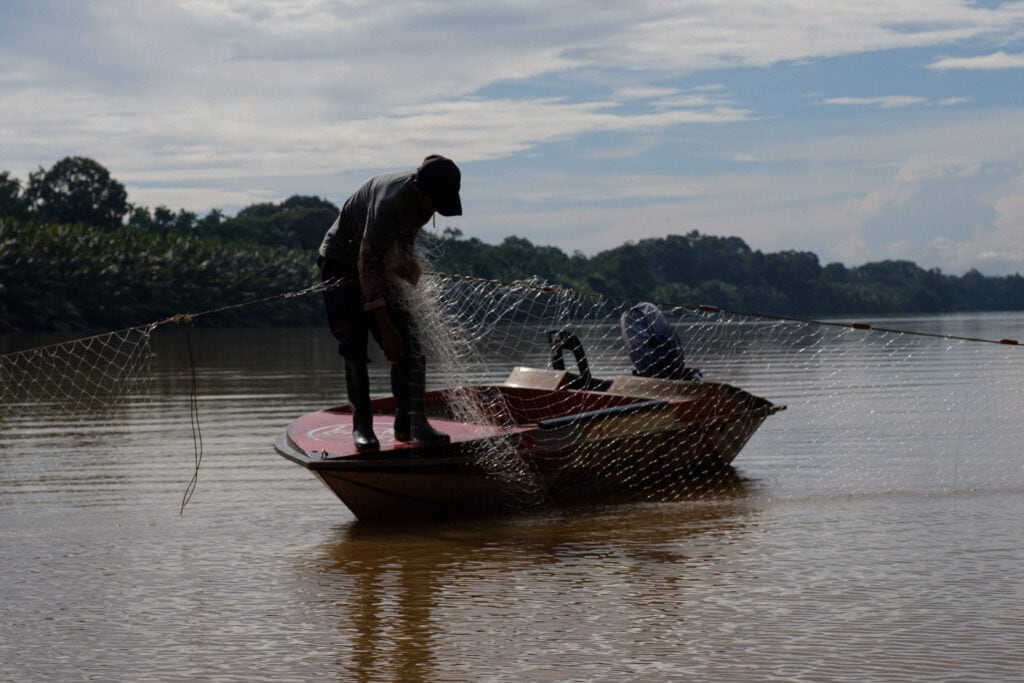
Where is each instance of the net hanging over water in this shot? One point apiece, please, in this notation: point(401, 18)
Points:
point(79, 377)
point(867, 409)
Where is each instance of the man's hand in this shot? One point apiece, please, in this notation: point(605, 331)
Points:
point(390, 340)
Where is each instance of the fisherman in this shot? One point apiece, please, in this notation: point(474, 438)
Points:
point(373, 240)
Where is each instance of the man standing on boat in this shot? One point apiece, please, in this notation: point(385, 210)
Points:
point(373, 239)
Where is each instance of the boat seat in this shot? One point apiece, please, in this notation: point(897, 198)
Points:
point(537, 378)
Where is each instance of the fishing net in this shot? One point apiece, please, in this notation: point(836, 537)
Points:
point(867, 408)
point(79, 377)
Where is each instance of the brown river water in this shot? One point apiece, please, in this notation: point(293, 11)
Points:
point(873, 531)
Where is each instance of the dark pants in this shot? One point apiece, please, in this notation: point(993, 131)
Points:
point(351, 325)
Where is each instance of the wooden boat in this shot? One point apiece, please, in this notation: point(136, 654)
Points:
point(545, 435)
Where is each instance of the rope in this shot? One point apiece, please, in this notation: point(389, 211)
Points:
point(333, 283)
point(707, 308)
point(197, 434)
point(324, 286)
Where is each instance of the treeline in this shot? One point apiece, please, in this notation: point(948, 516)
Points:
point(75, 255)
point(80, 190)
point(726, 272)
point(62, 277)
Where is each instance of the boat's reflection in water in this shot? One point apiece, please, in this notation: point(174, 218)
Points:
point(422, 600)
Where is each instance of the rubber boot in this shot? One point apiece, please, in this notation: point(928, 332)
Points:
point(357, 381)
point(400, 389)
point(408, 383)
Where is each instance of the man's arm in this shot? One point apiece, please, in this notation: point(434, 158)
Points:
point(373, 283)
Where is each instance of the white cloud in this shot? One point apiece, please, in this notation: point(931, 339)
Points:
point(885, 102)
point(253, 138)
point(854, 196)
point(752, 33)
point(925, 167)
point(852, 250)
point(945, 210)
point(996, 60)
point(315, 64)
point(201, 200)
point(644, 93)
point(610, 112)
point(999, 247)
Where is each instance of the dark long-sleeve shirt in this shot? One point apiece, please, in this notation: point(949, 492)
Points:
point(377, 224)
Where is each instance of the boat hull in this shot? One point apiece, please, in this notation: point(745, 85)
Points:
point(634, 439)
point(430, 483)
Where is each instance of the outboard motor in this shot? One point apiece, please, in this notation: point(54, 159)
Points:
point(654, 345)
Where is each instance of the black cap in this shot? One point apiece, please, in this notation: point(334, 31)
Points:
point(440, 179)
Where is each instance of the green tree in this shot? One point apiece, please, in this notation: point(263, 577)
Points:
point(140, 218)
point(796, 275)
point(304, 220)
point(631, 269)
point(718, 293)
point(298, 221)
point(895, 274)
point(13, 203)
point(164, 221)
point(77, 190)
point(211, 222)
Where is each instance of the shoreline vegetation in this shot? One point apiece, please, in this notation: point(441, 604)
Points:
point(76, 256)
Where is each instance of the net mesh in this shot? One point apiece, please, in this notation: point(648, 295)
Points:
point(867, 410)
point(79, 377)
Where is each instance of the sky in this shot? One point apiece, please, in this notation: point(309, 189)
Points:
point(859, 130)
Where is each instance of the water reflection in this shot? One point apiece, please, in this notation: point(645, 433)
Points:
point(404, 596)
